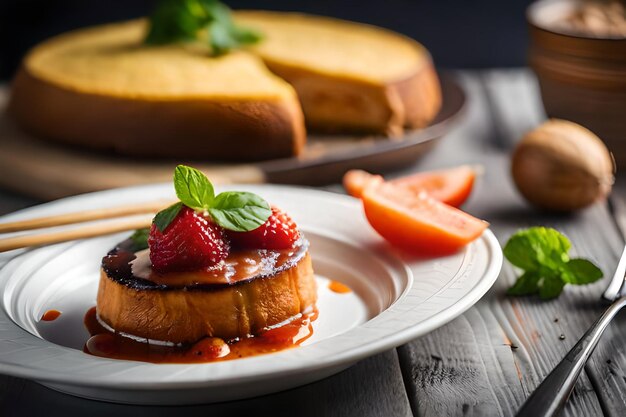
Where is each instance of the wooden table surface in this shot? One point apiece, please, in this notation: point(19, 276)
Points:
point(484, 363)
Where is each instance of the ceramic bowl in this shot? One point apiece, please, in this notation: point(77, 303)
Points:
point(582, 76)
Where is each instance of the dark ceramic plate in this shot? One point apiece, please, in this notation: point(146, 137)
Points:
point(48, 170)
point(328, 157)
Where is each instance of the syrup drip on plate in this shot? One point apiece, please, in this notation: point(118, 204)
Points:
point(50, 315)
point(107, 344)
point(338, 287)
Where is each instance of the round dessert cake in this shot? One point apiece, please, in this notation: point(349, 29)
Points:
point(212, 269)
point(103, 88)
point(248, 292)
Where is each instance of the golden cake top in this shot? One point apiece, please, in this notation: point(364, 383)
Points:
point(112, 60)
point(334, 47)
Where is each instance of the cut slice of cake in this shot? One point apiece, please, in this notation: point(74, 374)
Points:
point(101, 87)
point(348, 76)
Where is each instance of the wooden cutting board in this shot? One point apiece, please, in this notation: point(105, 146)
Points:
point(48, 170)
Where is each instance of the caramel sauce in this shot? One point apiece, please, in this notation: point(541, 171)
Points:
point(338, 287)
point(50, 315)
point(105, 343)
point(134, 268)
point(239, 266)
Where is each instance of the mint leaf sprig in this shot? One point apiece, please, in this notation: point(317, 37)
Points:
point(542, 253)
point(239, 211)
point(191, 20)
point(139, 239)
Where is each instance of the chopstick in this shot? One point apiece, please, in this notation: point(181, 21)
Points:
point(73, 234)
point(113, 226)
point(84, 216)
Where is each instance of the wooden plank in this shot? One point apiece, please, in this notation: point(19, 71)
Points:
point(487, 362)
point(607, 367)
point(451, 376)
point(510, 94)
point(476, 374)
point(373, 387)
point(518, 110)
point(536, 326)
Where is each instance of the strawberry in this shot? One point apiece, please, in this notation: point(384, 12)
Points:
point(278, 232)
point(190, 242)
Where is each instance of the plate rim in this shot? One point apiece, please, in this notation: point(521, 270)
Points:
point(346, 357)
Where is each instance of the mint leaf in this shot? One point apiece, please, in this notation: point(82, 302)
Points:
point(551, 287)
point(245, 35)
point(526, 284)
point(555, 246)
point(234, 210)
point(582, 271)
point(224, 35)
point(542, 253)
point(139, 239)
point(193, 188)
point(521, 252)
point(164, 217)
point(189, 20)
point(221, 39)
point(535, 247)
point(173, 21)
point(220, 31)
point(239, 211)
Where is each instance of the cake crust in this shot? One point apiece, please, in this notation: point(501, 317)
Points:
point(342, 104)
point(245, 130)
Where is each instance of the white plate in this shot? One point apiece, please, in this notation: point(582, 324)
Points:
point(395, 299)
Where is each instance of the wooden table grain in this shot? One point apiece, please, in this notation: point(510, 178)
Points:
point(487, 361)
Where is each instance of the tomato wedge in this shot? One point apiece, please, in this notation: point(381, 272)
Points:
point(418, 223)
point(356, 181)
point(451, 186)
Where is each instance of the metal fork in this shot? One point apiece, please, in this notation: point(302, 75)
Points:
point(551, 395)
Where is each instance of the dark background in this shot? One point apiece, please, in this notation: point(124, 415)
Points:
point(459, 33)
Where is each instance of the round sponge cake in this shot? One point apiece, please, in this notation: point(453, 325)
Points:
point(249, 292)
point(101, 87)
